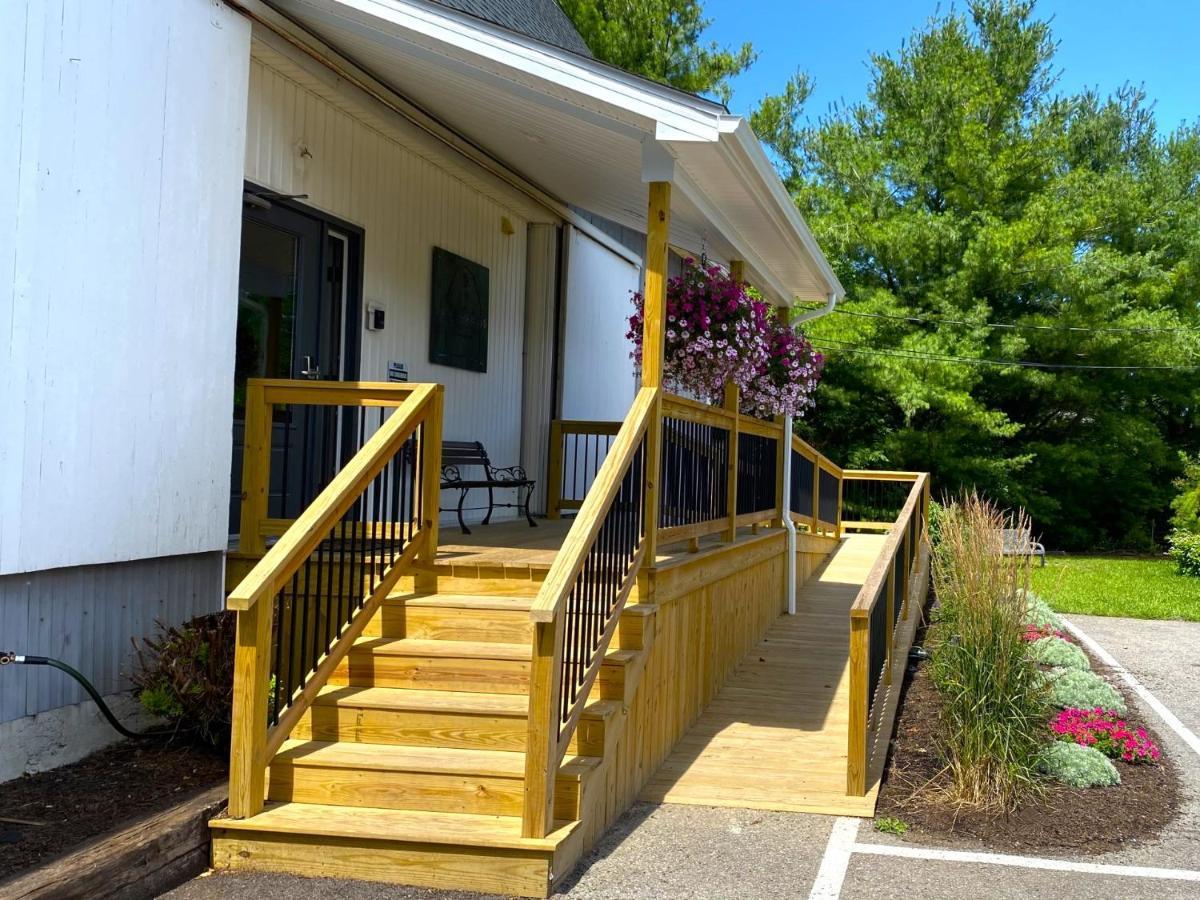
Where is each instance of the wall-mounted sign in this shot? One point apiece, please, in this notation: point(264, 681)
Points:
point(458, 324)
point(397, 371)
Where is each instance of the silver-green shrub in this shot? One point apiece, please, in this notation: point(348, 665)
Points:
point(1054, 651)
point(1071, 688)
point(1039, 613)
point(1077, 766)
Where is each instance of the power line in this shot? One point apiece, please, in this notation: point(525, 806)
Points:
point(1022, 364)
point(1015, 326)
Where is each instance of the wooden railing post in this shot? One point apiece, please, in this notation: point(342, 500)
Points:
point(541, 748)
point(907, 567)
point(248, 735)
point(654, 315)
point(816, 495)
point(425, 578)
point(731, 465)
point(554, 478)
point(256, 469)
point(784, 448)
point(838, 525)
point(856, 749)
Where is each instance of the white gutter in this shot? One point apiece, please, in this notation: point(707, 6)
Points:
point(788, 525)
point(830, 303)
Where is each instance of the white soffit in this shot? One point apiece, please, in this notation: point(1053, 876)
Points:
point(575, 128)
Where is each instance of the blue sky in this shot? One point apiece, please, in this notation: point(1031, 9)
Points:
point(1102, 43)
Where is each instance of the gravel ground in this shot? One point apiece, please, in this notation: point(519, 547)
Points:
point(721, 854)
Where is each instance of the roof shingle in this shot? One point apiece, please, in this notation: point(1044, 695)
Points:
point(542, 20)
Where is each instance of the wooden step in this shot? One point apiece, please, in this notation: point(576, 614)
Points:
point(484, 617)
point(428, 849)
point(454, 617)
point(439, 719)
point(438, 779)
point(463, 666)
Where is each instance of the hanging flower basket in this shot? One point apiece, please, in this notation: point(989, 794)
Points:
point(718, 333)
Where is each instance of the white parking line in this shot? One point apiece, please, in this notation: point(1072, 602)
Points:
point(828, 885)
point(1027, 862)
point(1157, 705)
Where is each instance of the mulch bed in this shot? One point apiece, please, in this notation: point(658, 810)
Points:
point(46, 815)
point(1083, 821)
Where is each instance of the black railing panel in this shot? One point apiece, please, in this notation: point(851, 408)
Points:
point(828, 501)
point(873, 499)
point(801, 501)
point(582, 457)
point(351, 561)
point(877, 631)
point(756, 462)
point(695, 473)
point(594, 598)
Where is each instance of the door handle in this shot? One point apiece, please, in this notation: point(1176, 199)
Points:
point(310, 370)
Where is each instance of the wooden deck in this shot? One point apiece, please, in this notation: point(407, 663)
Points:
point(776, 735)
point(513, 544)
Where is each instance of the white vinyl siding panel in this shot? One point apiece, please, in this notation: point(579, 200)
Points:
point(119, 214)
point(301, 143)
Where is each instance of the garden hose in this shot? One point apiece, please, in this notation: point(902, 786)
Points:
point(9, 657)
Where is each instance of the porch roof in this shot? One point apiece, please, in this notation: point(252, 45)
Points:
point(586, 133)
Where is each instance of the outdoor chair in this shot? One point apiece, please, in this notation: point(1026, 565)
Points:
point(459, 455)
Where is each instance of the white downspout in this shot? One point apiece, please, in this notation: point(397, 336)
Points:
point(788, 525)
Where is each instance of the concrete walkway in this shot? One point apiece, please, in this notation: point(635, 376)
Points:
point(734, 854)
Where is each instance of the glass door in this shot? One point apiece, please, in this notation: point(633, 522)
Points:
point(293, 315)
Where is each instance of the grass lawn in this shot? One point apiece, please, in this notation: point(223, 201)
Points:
point(1114, 586)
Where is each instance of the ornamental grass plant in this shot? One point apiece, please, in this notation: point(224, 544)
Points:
point(995, 701)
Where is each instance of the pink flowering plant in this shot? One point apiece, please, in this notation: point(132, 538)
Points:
point(718, 333)
point(1036, 633)
point(1107, 732)
point(786, 381)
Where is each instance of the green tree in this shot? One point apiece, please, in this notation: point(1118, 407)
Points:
point(967, 192)
point(659, 39)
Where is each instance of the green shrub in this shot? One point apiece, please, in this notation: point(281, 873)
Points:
point(1083, 690)
point(1054, 651)
point(185, 674)
point(1185, 550)
point(1186, 505)
point(1077, 766)
point(995, 702)
point(937, 513)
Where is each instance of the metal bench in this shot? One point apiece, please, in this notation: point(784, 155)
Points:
point(458, 455)
point(1020, 542)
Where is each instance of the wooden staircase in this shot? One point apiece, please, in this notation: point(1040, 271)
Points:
point(409, 767)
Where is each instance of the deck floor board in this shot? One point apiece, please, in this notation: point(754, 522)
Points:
point(775, 736)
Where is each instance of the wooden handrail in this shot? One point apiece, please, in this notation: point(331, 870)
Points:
point(560, 430)
point(908, 533)
point(289, 552)
point(407, 534)
point(879, 475)
point(867, 593)
point(569, 559)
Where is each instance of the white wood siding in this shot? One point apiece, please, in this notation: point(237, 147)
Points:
point(120, 162)
point(598, 380)
point(299, 142)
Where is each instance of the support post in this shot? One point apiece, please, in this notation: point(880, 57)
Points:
point(731, 465)
point(785, 443)
point(856, 749)
point(907, 567)
point(248, 732)
point(654, 315)
point(816, 495)
point(425, 579)
point(541, 751)
point(256, 469)
point(554, 477)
